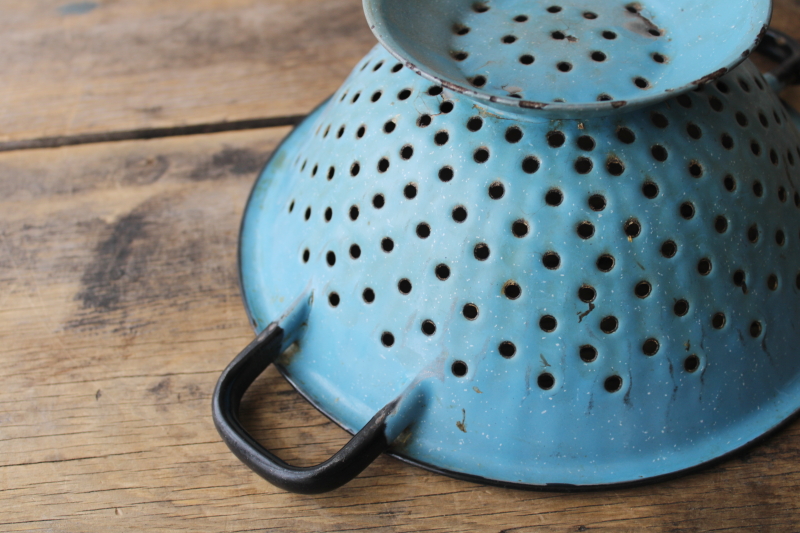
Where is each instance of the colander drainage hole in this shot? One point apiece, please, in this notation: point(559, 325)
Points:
point(587, 293)
point(755, 329)
point(442, 271)
point(368, 295)
point(694, 131)
point(632, 228)
point(519, 228)
point(475, 124)
point(387, 339)
point(659, 58)
point(389, 126)
point(513, 134)
point(378, 201)
point(355, 168)
point(753, 234)
point(397, 68)
point(598, 56)
point(626, 135)
point(758, 189)
point(721, 224)
point(780, 238)
point(586, 143)
point(650, 347)
point(377, 67)
point(459, 369)
point(353, 212)
point(530, 165)
point(669, 249)
point(481, 155)
point(328, 214)
point(588, 15)
point(755, 148)
point(546, 381)
point(410, 191)
point(521, 18)
point(446, 107)
point(376, 96)
point(643, 289)
point(556, 139)
point(441, 138)
point(459, 55)
point(687, 210)
point(681, 307)
point(496, 190)
point(548, 323)
point(404, 286)
point(782, 196)
point(691, 363)
point(610, 35)
point(333, 299)
point(460, 29)
point(291, 206)
point(741, 119)
point(460, 213)
point(614, 166)
point(613, 383)
point(650, 190)
point(729, 182)
point(446, 174)
point(727, 141)
point(695, 169)
point(406, 152)
point(659, 120)
point(585, 230)
point(331, 258)
point(470, 311)
point(659, 153)
point(551, 260)
point(423, 230)
point(772, 282)
point(609, 324)
point(478, 81)
point(404, 94)
point(435, 90)
point(597, 202)
point(424, 121)
point(428, 327)
point(588, 353)
point(355, 251)
point(718, 320)
point(554, 197)
point(383, 165)
point(355, 98)
point(715, 103)
point(526, 59)
point(481, 251)
point(507, 349)
point(605, 263)
point(704, 266)
point(583, 165)
point(387, 244)
point(684, 101)
point(306, 255)
point(512, 290)
point(308, 213)
point(740, 279)
point(361, 131)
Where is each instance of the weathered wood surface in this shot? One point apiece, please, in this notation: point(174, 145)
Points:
point(101, 65)
point(119, 307)
point(119, 303)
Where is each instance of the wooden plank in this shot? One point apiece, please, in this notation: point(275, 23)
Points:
point(119, 306)
point(88, 68)
point(102, 65)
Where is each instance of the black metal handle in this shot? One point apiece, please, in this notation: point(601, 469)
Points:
point(346, 464)
point(781, 48)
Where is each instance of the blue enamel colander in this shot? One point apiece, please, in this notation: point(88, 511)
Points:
point(590, 283)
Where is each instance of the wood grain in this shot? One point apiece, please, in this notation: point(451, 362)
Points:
point(119, 307)
point(130, 65)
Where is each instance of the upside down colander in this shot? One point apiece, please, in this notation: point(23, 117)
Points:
point(533, 293)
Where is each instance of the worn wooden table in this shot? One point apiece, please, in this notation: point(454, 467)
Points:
point(131, 132)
